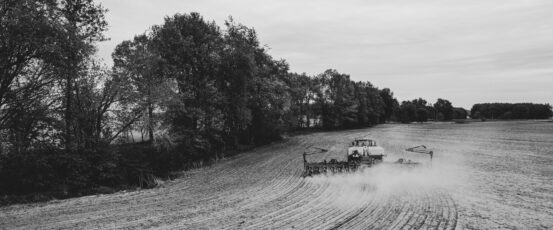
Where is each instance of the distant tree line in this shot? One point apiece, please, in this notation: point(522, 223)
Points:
point(419, 110)
point(511, 111)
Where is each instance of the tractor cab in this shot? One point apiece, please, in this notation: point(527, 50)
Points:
point(365, 152)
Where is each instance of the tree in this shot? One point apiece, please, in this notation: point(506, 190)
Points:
point(81, 23)
point(422, 109)
point(135, 61)
point(189, 50)
point(270, 99)
point(237, 70)
point(371, 106)
point(431, 112)
point(407, 112)
point(390, 103)
point(54, 36)
point(445, 108)
point(339, 108)
point(420, 103)
point(302, 97)
point(95, 94)
point(28, 117)
point(26, 37)
point(459, 113)
point(422, 115)
point(520, 111)
point(511, 111)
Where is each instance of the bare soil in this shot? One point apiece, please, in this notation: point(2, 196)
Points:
point(483, 176)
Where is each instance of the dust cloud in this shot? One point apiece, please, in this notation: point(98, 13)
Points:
point(389, 180)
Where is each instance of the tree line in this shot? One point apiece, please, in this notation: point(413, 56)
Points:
point(509, 111)
point(419, 110)
point(192, 90)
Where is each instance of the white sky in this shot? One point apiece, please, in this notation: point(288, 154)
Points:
point(467, 51)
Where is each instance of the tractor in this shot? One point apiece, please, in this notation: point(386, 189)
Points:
point(361, 153)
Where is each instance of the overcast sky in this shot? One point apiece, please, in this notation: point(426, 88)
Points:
point(467, 51)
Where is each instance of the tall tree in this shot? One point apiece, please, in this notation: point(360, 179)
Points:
point(95, 94)
point(51, 34)
point(459, 113)
point(371, 106)
point(28, 112)
point(26, 37)
point(189, 51)
point(302, 96)
point(338, 92)
point(444, 108)
point(136, 61)
point(390, 103)
point(270, 99)
point(407, 112)
point(81, 24)
point(236, 72)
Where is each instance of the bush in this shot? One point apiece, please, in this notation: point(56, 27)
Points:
point(42, 174)
point(26, 173)
point(51, 171)
point(57, 173)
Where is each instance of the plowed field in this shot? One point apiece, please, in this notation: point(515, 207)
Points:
point(484, 175)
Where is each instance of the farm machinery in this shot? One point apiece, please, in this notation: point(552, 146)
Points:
point(361, 153)
point(417, 149)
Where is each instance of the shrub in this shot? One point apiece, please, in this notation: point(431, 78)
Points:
point(41, 174)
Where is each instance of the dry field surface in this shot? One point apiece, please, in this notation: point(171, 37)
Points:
point(484, 175)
